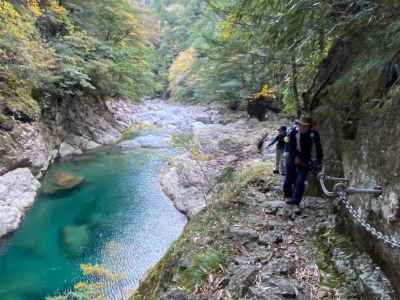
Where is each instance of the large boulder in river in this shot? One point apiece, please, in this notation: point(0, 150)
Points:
point(61, 181)
point(75, 239)
point(17, 192)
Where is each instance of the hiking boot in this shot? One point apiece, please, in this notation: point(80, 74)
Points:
point(275, 171)
point(291, 202)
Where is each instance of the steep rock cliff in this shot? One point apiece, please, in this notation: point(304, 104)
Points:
point(356, 98)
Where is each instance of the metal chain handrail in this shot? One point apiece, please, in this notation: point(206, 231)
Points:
point(342, 190)
point(368, 227)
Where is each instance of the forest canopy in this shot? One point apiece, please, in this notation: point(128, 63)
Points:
point(56, 51)
point(240, 46)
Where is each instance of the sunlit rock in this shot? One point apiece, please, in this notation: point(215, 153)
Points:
point(61, 181)
point(66, 150)
point(17, 192)
point(9, 219)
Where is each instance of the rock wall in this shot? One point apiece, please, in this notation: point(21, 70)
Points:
point(27, 148)
point(356, 98)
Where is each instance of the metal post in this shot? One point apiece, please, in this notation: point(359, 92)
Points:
point(343, 185)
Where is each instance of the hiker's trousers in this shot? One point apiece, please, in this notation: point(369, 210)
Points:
point(294, 184)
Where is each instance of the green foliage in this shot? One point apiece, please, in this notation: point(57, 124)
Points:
point(195, 255)
point(325, 241)
point(289, 103)
point(227, 175)
point(241, 45)
point(52, 53)
point(203, 264)
point(236, 182)
point(183, 140)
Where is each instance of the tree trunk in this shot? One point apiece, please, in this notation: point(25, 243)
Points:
point(295, 90)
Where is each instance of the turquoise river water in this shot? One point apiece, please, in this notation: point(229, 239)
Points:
point(118, 218)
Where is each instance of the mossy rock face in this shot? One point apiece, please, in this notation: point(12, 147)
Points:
point(22, 109)
point(61, 181)
point(356, 99)
point(6, 123)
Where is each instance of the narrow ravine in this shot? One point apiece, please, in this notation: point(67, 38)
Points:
point(118, 218)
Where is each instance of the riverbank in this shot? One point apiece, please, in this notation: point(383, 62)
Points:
point(33, 147)
point(242, 241)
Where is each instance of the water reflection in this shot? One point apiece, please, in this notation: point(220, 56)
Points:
point(119, 218)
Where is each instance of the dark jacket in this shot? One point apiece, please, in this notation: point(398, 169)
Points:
point(280, 139)
point(308, 140)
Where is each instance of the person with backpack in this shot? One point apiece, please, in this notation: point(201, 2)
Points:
point(300, 143)
point(279, 140)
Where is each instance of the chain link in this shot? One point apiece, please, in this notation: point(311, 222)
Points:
point(360, 220)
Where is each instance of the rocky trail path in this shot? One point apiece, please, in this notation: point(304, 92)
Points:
point(242, 240)
point(282, 252)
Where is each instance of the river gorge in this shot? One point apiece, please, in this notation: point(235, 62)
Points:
point(118, 217)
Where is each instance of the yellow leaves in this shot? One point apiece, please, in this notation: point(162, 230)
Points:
point(181, 65)
point(34, 6)
point(87, 286)
point(19, 23)
point(227, 27)
point(180, 72)
point(266, 92)
point(11, 22)
point(7, 11)
point(56, 8)
point(99, 272)
point(92, 289)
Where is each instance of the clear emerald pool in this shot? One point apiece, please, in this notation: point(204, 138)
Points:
point(124, 221)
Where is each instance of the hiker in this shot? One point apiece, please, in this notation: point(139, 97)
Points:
point(279, 140)
point(300, 143)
